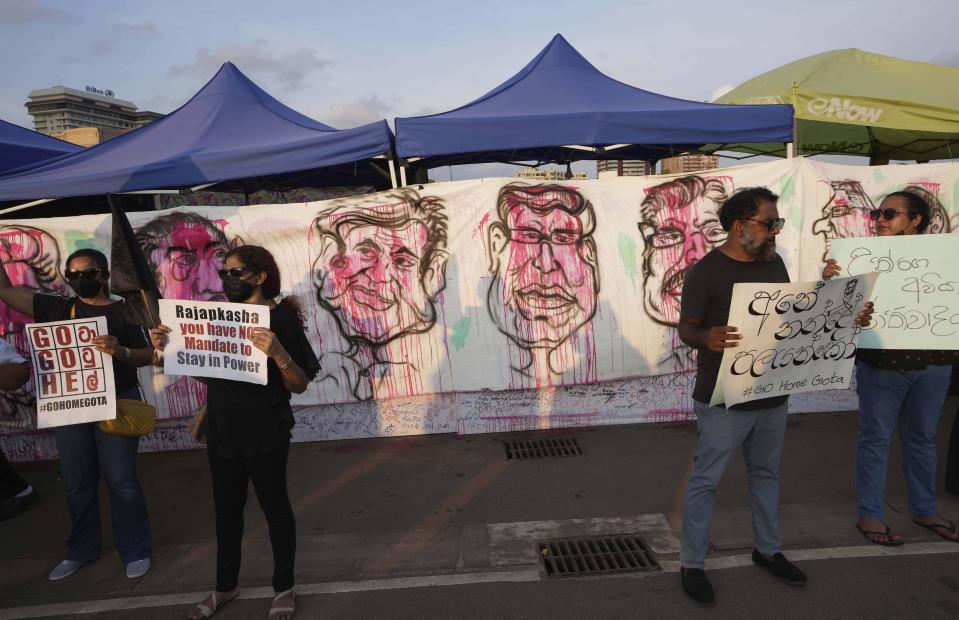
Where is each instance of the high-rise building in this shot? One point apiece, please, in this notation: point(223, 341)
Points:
point(689, 163)
point(60, 109)
point(86, 136)
point(537, 174)
point(622, 168)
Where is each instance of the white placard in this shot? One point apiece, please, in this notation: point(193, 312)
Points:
point(796, 338)
point(74, 381)
point(212, 339)
point(917, 298)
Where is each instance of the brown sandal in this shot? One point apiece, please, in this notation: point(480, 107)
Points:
point(871, 535)
point(946, 530)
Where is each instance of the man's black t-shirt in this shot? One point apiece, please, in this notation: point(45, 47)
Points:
point(707, 293)
point(47, 307)
point(247, 418)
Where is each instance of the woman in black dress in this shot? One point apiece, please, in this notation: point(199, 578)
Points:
point(248, 430)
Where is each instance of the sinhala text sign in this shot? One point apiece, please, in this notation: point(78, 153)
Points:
point(917, 297)
point(796, 338)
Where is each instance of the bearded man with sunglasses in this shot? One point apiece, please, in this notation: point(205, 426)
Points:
point(904, 389)
point(86, 451)
point(751, 219)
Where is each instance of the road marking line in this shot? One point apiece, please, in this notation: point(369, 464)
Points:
point(168, 600)
point(450, 579)
point(828, 553)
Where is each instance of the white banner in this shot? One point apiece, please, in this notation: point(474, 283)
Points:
point(483, 305)
point(212, 339)
point(796, 338)
point(74, 381)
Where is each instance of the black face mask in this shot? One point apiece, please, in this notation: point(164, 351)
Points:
point(237, 290)
point(86, 288)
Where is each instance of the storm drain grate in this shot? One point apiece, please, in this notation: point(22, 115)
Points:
point(542, 448)
point(596, 556)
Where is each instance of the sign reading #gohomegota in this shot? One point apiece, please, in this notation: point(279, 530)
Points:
point(212, 339)
point(917, 297)
point(74, 381)
point(795, 338)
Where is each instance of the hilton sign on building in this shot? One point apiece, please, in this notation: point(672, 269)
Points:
point(97, 91)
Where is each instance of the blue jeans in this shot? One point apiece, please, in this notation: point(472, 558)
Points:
point(720, 432)
point(86, 452)
point(912, 401)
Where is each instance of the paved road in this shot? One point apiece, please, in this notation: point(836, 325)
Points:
point(407, 508)
point(912, 587)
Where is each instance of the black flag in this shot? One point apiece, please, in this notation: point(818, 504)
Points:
point(130, 272)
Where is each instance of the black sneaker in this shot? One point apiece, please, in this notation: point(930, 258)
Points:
point(696, 585)
point(781, 568)
point(14, 505)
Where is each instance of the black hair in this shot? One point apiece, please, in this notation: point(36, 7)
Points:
point(259, 258)
point(96, 256)
point(917, 205)
point(743, 204)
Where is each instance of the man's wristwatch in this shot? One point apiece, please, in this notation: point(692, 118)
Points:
point(126, 353)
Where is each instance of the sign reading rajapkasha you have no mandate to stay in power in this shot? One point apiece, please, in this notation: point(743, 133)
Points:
point(212, 339)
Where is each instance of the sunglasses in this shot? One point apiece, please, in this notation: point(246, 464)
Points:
point(236, 272)
point(771, 225)
point(887, 214)
point(92, 273)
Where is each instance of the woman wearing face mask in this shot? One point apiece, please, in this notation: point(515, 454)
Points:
point(903, 389)
point(85, 451)
point(248, 430)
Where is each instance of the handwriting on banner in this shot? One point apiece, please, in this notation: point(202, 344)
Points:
point(212, 339)
point(917, 297)
point(795, 338)
point(73, 381)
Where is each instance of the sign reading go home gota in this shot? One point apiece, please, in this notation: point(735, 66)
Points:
point(795, 338)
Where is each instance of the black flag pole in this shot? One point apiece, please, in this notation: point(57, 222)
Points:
point(131, 271)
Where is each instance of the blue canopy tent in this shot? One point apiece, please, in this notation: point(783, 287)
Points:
point(231, 134)
point(21, 147)
point(560, 108)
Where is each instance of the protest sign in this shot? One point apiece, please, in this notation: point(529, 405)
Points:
point(795, 338)
point(917, 297)
point(212, 339)
point(73, 380)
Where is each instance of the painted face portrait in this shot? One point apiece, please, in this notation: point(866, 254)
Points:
point(32, 259)
point(680, 224)
point(185, 250)
point(543, 261)
point(381, 267)
point(846, 214)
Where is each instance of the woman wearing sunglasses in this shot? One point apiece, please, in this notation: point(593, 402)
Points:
point(86, 452)
point(248, 430)
point(899, 389)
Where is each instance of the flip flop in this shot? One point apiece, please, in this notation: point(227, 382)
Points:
point(276, 611)
point(889, 542)
point(205, 610)
point(942, 529)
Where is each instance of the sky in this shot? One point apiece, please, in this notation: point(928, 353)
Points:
point(346, 63)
